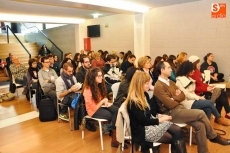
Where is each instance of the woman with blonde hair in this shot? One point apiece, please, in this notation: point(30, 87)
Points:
point(182, 57)
point(146, 128)
point(98, 61)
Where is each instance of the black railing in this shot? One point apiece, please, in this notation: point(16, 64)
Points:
point(61, 52)
point(7, 31)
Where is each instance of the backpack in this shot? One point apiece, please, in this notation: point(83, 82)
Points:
point(47, 110)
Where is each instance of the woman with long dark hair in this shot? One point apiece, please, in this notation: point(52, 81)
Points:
point(32, 76)
point(192, 101)
point(96, 102)
point(172, 63)
point(209, 64)
point(145, 126)
point(44, 51)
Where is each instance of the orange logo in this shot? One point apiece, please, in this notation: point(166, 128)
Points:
point(218, 10)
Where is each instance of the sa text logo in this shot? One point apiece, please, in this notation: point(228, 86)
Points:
point(218, 10)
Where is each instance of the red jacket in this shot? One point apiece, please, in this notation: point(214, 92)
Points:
point(200, 86)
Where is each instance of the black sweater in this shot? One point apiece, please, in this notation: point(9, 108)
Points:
point(139, 119)
point(213, 67)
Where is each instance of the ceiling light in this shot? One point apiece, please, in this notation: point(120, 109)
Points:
point(117, 4)
point(95, 15)
point(39, 19)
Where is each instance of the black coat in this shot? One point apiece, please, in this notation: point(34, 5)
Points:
point(139, 119)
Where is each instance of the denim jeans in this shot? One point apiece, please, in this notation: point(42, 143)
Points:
point(207, 106)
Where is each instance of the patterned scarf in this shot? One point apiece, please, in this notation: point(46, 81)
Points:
point(65, 78)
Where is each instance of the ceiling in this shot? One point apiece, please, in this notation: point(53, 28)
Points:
point(59, 8)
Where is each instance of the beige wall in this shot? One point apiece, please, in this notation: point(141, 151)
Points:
point(118, 36)
point(64, 37)
point(189, 27)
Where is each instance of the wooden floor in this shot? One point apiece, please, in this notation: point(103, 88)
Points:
point(33, 136)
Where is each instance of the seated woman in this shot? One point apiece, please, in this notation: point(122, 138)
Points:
point(32, 76)
point(192, 101)
point(207, 90)
point(145, 126)
point(209, 64)
point(144, 64)
point(182, 57)
point(172, 63)
point(98, 61)
point(97, 105)
point(155, 73)
point(124, 87)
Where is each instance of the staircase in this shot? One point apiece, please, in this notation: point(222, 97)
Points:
point(17, 50)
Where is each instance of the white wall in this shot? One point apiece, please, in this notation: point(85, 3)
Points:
point(118, 36)
point(189, 28)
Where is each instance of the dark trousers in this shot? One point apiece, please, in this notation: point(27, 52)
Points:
point(222, 101)
point(109, 113)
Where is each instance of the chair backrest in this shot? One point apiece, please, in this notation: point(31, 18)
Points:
point(115, 87)
point(207, 76)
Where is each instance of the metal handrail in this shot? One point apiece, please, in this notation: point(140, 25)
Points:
point(7, 27)
point(45, 36)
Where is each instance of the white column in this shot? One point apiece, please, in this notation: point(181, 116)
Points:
point(141, 34)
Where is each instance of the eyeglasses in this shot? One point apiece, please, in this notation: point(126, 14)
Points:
point(46, 62)
point(86, 62)
point(100, 76)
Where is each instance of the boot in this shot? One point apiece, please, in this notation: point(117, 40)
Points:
point(180, 146)
point(222, 121)
point(173, 148)
point(114, 142)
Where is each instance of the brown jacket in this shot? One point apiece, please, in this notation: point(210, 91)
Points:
point(166, 97)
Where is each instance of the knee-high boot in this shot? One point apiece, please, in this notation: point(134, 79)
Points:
point(179, 146)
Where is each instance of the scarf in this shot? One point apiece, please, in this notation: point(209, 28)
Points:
point(65, 78)
point(31, 72)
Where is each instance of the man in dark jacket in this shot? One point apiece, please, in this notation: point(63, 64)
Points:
point(85, 62)
point(54, 65)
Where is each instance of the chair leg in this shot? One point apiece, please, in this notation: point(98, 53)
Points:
point(70, 122)
point(101, 137)
point(17, 91)
point(30, 96)
point(58, 113)
point(169, 148)
point(190, 137)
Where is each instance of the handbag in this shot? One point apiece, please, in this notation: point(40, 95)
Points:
point(7, 97)
point(186, 133)
point(75, 100)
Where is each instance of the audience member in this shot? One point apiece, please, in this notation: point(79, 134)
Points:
point(124, 87)
point(94, 92)
point(47, 77)
point(90, 55)
point(44, 51)
point(19, 70)
point(54, 65)
point(209, 64)
point(32, 76)
point(172, 63)
point(155, 72)
point(67, 55)
point(165, 57)
point(208, 90)
point(112, 73)
point(98, 61)
point(39, 63)
point(85, 66)
point(146, 125)
point(169, 99)
point(192, 101)
point(182, 57)
point(66, 89)
point(56, 59)
point(9, 61)
point(128, 63)
point(76, 59)
point(121, 55)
